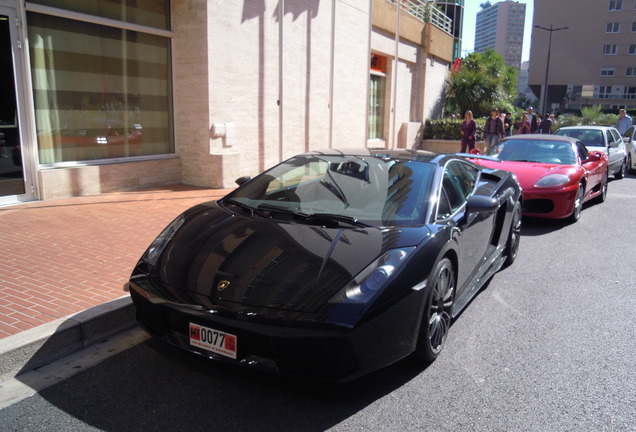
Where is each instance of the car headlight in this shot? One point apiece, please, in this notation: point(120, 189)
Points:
point(369, 282)
point(159, 244)
point(553, 180)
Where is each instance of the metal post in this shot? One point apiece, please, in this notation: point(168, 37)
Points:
point(547, 65)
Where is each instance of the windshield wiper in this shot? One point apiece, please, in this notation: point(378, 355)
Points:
point(244, 206)
point(314, 217)
point(274, 208)
point(332, 217)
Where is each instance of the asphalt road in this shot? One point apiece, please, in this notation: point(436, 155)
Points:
point(548, 345)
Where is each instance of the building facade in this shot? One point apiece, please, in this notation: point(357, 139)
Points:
point(500, 27)
point(592, 61)
point(454, 9)
point(108, 95)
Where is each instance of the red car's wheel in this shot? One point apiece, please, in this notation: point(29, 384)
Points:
point(603, 196)
point(578, 204)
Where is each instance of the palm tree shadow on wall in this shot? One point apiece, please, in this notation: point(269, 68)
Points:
point(257, 9)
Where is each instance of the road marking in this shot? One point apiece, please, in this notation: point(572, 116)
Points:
point(26, 385)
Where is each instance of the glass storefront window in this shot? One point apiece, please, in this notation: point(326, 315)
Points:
point(151, 13)
point(376, 107)
point(99, 92)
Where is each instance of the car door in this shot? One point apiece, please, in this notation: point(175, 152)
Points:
point(613, 152)
point(595, 170)
point(472, 231)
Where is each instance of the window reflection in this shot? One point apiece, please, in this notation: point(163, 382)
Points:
point(99, 92)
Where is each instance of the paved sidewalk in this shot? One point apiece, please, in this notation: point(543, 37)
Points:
point(70, 257)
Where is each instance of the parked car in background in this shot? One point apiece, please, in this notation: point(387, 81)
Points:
point(629, 137)
point(601, 138)
point(331, 264)
point(557, 173)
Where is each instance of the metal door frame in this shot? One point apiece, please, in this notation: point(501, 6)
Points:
point(24, 106)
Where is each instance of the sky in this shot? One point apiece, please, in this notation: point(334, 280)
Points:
point(471, 7)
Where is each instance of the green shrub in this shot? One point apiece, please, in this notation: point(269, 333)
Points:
point(449, 129)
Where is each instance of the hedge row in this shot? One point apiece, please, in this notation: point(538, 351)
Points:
point(449, 129)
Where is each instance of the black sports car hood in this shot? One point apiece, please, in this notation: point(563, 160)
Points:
point(223, 257)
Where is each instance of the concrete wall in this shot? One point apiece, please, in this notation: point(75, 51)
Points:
point(97, 179)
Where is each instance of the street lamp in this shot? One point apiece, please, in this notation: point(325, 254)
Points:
point(547, 65)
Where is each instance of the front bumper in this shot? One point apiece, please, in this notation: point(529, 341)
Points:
point(549, 203)
point(305, 348)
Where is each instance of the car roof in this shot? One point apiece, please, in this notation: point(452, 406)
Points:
point(542, 137)
point(403, 154)
point(588, 127)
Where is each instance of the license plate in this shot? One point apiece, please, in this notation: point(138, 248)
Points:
point(213, 340)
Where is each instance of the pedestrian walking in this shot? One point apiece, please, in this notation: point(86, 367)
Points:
point(494, 129)
point(624, 121)
point(468, 131)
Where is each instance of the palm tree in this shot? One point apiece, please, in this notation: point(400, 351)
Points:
point(483, 82)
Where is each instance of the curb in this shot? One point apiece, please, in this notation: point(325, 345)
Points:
point(42, 345)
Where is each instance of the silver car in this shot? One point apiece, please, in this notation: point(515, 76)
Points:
point(629, 137)
point(602, 138)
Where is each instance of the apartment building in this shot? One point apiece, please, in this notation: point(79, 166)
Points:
point(109, 95)
point(500, 27)
point(592, 54)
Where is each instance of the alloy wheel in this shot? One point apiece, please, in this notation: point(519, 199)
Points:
point(578, 204)
point(439, 316)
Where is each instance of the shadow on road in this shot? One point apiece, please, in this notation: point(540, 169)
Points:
point(154, 386)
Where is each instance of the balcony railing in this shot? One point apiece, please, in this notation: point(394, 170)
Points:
point(426, 11)
point(609, 96)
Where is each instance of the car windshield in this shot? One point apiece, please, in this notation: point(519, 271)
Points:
point(542, 151)
point(589, 137)
point(359, 189)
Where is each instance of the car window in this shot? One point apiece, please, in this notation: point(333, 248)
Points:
point(458, 184)
point(375, 190)
point(589, 137)
point(582, 150)
point(610, 137)
point(535, 150)
point(615, 135)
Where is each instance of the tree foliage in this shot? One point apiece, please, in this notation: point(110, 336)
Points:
point(483, 82)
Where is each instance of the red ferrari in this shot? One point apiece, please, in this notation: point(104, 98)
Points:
point(557, 174)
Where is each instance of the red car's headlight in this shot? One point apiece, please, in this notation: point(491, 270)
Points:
point(553, 180)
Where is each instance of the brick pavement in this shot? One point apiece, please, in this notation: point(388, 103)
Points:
point(63, 256)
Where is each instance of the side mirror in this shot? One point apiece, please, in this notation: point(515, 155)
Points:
point(627, 139)
point(475, 151)
point(481, 204)
point(239, 181)
point(593, 156)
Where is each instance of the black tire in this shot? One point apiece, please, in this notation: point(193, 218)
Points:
point(621, 172)
point(514, 236)
point(603, 196)
point(578, 204)
point(437, 314)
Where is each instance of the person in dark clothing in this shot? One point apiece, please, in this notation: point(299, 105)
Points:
point(468, 131)
point(508, 125)
point(493, 129)
point(546, 125)
point(533, 119)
